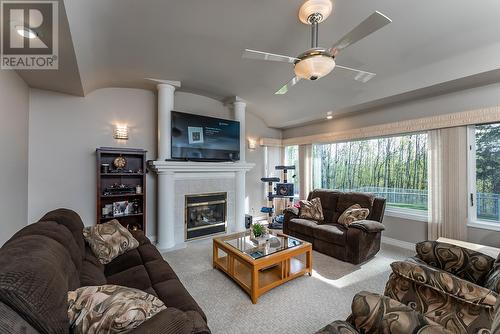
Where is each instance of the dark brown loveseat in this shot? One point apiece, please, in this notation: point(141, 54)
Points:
point(43, 261)
point(355, 244)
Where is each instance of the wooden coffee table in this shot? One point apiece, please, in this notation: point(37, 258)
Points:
point(258, 269)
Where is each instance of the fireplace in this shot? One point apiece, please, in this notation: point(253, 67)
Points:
point(205, 214)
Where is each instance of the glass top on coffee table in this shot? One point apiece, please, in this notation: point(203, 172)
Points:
point(276, 243)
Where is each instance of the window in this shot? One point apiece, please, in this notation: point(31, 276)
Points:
point(292, 159)
point(484, 175)
point(394, 168)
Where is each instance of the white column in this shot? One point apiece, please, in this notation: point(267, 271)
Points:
point(239, 219)
point(166, 208)
point(165, 106)
point(239, 107)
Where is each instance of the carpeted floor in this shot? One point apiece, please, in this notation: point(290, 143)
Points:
point(303, 305)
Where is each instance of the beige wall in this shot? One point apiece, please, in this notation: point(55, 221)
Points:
point(65, 131)
point(14, 109)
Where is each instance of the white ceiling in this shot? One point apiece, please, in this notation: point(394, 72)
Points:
point(120, 42)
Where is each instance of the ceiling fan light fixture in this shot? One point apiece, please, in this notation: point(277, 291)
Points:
point(314, 67)
point(310, 7)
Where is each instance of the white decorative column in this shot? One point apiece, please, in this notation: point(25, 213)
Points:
point(166, 183)
point(166, 90)
point(239, 108)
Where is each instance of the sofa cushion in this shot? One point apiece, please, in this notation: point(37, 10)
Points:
point(462, 262)
point(110, 309)
point(152, 275)
point(302, 226)
point(136, 277)
point(328, 203)
point(92, 271)
point(352, 214)
point(373, 313)
point(36, 273)
point(345, 200)
point(123, 262)
point(368, 226)
point(109, 240)
point(311, 210)
point(173, 294)
point(72, 221)
point(332, 233)
point(56, 232)
point(170, 320)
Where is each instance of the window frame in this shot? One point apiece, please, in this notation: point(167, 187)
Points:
point(410, 214)
point(296, 189)
point(392, 211)
point(472, 220)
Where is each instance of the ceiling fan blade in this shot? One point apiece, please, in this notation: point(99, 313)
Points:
point(283, 90)
point(362, 76)
point(259, 55)
point(371, 24)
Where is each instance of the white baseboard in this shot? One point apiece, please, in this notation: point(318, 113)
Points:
point(398, 243)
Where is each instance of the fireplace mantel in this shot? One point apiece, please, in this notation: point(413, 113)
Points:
point(170, 173)
point(199, 167)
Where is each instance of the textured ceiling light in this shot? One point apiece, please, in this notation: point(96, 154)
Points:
point(310, 7)
point(314, 67)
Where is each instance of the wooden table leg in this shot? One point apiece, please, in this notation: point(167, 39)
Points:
point(309, 262)
point(215, 254)
point(255, 285)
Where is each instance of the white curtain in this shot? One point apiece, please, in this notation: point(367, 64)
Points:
point(305, 170)
point(447, 171)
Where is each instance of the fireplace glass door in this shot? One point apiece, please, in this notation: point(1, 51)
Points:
point(206, 214)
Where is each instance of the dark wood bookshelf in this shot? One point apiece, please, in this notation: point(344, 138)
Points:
point(133, 175)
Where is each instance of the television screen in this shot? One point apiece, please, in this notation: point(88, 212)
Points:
point(196, 137)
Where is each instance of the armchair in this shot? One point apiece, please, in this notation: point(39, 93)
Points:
point(453, 286)
point(355, 244)
point(372, 313)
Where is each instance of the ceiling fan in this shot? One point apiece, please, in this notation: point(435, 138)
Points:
point(317, 62)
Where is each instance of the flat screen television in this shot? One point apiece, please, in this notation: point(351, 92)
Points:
point(203, 138)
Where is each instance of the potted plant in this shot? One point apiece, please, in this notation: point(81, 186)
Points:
point(259, 233)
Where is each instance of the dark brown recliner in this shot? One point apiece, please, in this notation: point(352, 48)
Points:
point(355, 244)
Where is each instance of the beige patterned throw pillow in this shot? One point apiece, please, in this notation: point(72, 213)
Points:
point(311, 209)
point(109, 240)
point(109, 309)
point(352, 214)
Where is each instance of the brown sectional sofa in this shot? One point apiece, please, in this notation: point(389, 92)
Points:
point(43, 261)
point(355, 244)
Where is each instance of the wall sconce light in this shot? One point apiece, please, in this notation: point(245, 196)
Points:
point(252, 144)
point(120, 132)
